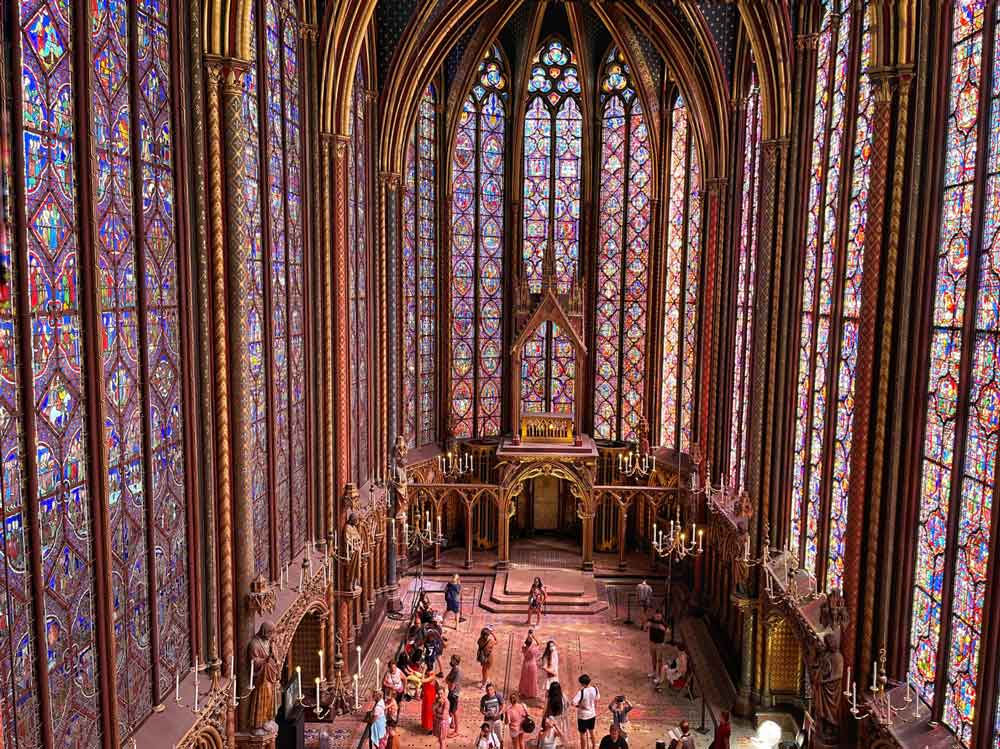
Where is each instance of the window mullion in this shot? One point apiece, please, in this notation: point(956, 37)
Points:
point(623, 265)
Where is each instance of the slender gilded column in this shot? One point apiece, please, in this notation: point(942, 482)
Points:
point(863, 505)
point(468, 536)
point(588, 541)
point(221, 358)
point(622, 521)
point(206, 402)
point(240, 292)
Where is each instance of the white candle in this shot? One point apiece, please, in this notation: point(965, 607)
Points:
point(177, 687)
point(701, 539)
point(358, 651)
point(234, 690)
point(747, 554)
point(378, 669)
point(907, 687)
point(357, 702)
point(317, 694)
point(301, 573)
point(322, 674)
point(196, 692)
point(232, 666)
point(251, 675)
point(335, 547)
point(439, 525)
point(298, 678)
point(848, 675)
point(854, 694)
point(874, 676)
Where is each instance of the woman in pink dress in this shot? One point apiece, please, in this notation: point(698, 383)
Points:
point(516, 712)
point(442, 719)
point(528, 686)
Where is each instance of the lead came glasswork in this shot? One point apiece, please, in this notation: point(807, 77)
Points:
point(623, 256)
point(419, 262)
point(682, 284)
point(54, 308)
point(477, 254)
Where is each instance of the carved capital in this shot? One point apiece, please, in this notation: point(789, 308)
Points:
point(807, 41)
point(309, 31)
point(390, 180)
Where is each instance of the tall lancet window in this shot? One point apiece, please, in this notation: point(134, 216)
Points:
point(419, 263)
point(961, 442)
point(357, 233)
point(623, 255)
point(553, 145)
point(831, 296)
point(682, 277)
point(739, 417)
point(477, 173)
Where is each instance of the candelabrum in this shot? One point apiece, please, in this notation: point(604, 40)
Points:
point(455, 467)
point(421, 537)
point(879, 705)
point(675, 544)
point(633, 464)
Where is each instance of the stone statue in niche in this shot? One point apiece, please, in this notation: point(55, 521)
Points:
point(743, 511)
point(826, 673)
point(266, 674)
point(399, 452)
point(353, 544)
point(642, 435)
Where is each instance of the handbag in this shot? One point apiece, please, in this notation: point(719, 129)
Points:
point(528, 725)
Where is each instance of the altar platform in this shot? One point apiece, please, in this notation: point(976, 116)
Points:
point(569, 591)
point(524, 449)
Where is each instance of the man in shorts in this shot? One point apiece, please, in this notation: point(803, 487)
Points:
point(585, 703)
point(657, 639)
point(644, 594)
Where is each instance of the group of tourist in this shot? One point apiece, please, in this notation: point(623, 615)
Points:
point(416, 675)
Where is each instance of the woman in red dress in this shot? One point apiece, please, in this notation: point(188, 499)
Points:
point(427, 700)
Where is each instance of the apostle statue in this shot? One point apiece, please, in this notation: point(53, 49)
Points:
point(267, 672)
point(826, 672)
point(353, 543)
point(399, 464)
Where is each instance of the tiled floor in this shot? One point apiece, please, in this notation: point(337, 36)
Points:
point(615, 656)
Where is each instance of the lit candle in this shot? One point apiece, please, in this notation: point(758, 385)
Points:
point(358, 651)
point(907, 687)
point(177, 686)
point(234, 690)
point(747, 553)
point(874, 676)
point(378, 670)
point(335, 546)
point(654, 531)
point(701, 539)
point(317, 694)
point(251, 675)
point(848, 679)
point(322, 674)
point(298, 678)
point(854, 694)
point(439, 525)
point(357, 702)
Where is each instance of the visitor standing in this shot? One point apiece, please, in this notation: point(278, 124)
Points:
point(585, 703)
point(442, 719)
point(528, 686)
point(428, 698)
point(391, 724)
point(644, 593)
point(454, 683)
point(556, 707)
point(657, 637)
point(614, 739)
point(453, 600)
point(620, 708)
point(550, 664)
point(682, 738)
point(491, 706)
point(487, 739)
point(376, 730)
point(536, 601)
point(484, 651)
point(550, 736)
point(723, 732)
point(516, 714)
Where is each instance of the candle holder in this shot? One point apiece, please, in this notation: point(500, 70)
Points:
point(675, 545)
point(879, 705)
point(634, 464)
point(421, 538)
point(455, 467)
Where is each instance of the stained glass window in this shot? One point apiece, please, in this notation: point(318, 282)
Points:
point(960, 448)
point(19, 708)
point(357, 232)
point(419, 263)
point(831, 297)
point(131, 108)
point(745, 276)
point(553, 145)
point(623, 255)
point(274, 324)
point(683, 274)
point(477, 254)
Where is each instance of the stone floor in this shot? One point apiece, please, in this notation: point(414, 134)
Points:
point(615, 656)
